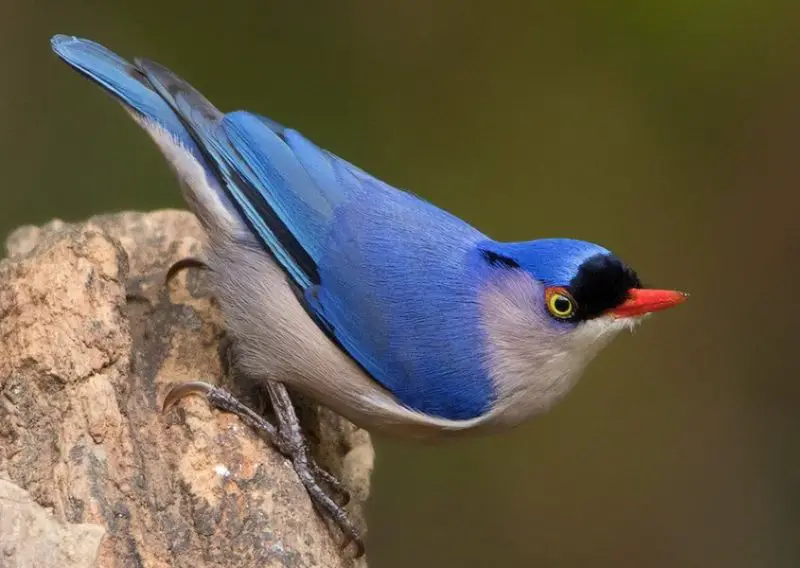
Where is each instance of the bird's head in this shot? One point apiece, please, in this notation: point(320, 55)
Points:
point(580, 281)
point(549, 305)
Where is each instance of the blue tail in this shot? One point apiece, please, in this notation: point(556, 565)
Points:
point(126, 83)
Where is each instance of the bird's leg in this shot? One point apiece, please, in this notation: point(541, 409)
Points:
point(307, 468)
point(288, 438)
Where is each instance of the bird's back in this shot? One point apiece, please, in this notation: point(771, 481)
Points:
point(410, 269)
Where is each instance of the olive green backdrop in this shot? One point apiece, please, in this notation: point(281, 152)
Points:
point(669, 131)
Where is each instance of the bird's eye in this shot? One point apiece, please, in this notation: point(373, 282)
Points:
point(559, 303)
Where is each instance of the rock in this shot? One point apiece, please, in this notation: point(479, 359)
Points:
point(31, 537)
point(91, 338)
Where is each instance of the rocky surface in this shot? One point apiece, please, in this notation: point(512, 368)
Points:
point(91, 473)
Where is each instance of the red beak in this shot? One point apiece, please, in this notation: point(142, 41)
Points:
point(644, 301)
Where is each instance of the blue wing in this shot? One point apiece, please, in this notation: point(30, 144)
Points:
point(291, 224)
point(394, 283)
point(386, 274)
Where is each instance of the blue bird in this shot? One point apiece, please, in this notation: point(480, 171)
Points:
point(392, 312)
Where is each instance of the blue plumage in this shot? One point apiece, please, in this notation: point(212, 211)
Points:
point(358, 248)
point(395, 281)
point(555, 262)
point(330, 207)
point(416, 335)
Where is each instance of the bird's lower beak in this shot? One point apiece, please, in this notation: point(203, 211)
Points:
point(643, 301)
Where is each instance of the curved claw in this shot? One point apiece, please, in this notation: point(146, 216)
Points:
point(185, 389)
point(183, 264)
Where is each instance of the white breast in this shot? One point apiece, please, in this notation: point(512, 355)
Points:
point(533, 360)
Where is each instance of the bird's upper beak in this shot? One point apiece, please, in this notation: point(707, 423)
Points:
point(643, 301)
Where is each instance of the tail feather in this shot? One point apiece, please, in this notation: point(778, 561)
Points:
point(129, 84)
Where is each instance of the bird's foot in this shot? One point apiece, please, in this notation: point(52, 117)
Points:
point(288, 438)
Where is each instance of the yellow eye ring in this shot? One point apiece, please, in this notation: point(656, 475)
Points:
point(559, 303)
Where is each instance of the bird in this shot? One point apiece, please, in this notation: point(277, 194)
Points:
point(370, 300)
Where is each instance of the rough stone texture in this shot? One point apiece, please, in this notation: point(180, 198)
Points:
point(91, 338)
point(31, 537)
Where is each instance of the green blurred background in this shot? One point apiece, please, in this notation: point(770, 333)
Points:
point(668, 131)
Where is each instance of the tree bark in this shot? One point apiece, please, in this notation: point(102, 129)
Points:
point(91, 473)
